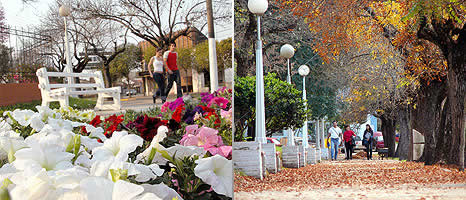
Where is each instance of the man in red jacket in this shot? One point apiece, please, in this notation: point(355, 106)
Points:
point(170, 58)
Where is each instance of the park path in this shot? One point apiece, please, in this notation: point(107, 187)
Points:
point(356, 179)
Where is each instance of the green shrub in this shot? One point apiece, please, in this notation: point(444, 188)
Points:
point(76, 103)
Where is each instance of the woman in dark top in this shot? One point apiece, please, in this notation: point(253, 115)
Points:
point(368, 135)
point(348, 136)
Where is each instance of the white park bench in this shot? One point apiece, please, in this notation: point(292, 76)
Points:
point(61, 91)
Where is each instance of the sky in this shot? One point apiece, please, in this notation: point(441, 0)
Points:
point(27, 15)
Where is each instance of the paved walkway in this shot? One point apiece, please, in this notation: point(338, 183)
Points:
point(356, 179)
point(136, 103)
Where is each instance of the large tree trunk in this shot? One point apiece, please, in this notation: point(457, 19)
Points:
point(429, 101)
point(405, 133)
point(388, 132)
point(456, 95)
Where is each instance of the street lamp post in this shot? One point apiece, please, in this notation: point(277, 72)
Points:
point(287, 51)
point(64, 11)
point(259, 7)
point(304, 71)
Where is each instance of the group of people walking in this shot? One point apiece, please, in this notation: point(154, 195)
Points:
point(348, 137)
point(165, 62)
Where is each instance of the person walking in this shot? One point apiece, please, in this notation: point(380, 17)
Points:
point(368, 135)
point(170, 59)
point(157, 63)
point(348, 137)
point(334, 133)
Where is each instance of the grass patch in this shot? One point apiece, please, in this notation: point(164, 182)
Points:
point(76, 103)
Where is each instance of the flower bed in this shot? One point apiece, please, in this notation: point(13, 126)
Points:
point(181, 152)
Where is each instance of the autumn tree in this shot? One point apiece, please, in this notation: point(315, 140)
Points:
point(430, 39)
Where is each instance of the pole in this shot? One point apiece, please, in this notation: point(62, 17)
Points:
point(305, 142)
point(289, 131)
point(69, 67)
point(317, 134)
point(212, 49)
point(260, 106)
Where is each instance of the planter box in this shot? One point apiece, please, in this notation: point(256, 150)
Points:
point(248, 158)
point(270, 157)
point(302, 156)
point(311, 156)
point(13, 93)
point(290, 156)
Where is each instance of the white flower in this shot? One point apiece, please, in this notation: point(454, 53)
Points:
point(155, 143)
point(142, 173)
point(4, 126)
point(23, 117)
point(47, 156)
point(104, 189)
point(118, 146)
point(31, 185)
point(36, 122)
point(95, 132)
point(162, 190)
point(216, 171)
point(10, 142)
point(181, 151)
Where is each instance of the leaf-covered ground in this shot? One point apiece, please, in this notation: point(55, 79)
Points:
point(335, 177)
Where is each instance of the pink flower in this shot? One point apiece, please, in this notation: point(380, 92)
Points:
point(224, 151)
point(165, 106)
point(227, 114)
point(220, 101)
point(208, 137)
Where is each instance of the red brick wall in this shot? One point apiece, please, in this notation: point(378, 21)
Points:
point(13, 93)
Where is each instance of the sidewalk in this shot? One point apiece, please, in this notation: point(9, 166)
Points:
point(136, 103)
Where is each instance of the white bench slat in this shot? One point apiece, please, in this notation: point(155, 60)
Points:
point(82, 92)
point(76, 85)
point(64, 74)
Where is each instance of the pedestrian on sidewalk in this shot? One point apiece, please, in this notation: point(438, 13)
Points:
point(170, 59)
point(348, 137)
point(157, 63)
point(334, 133)
point(367, 141)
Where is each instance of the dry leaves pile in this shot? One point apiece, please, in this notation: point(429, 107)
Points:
point(376, 173)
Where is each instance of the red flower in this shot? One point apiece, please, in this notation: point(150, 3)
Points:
point(112, 123)
point(96, 121)
point(148, 127)
point(177, 114)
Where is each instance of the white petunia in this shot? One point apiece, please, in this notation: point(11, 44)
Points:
point(23, 117)
point(38, 156)
point(36, 122)
point(216, 171)
point(118, 146)
point(31, 185)
point(4, 126)
point(155, 143)
point(162, 190)
point(10, 142)
point(142, 173)
point(104, 189)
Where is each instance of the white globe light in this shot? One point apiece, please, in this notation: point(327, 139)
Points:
point(258, 7)
point(287, 51)
point(64, 11)
point(303, 70)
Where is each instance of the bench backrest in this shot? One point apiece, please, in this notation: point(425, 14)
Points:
point(45, 85)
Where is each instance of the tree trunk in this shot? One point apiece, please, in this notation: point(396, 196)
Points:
point(405, 133)
point(107, 77)
point(426, 114)
point(388, 132)
point(456, 95)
